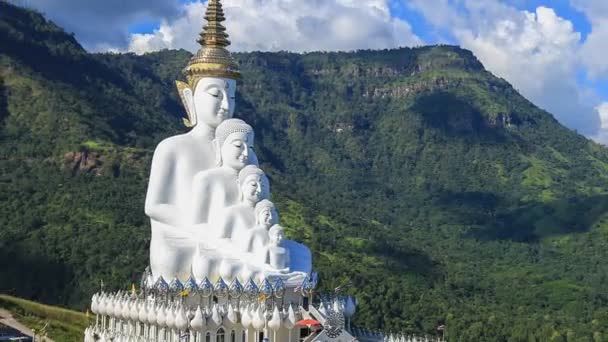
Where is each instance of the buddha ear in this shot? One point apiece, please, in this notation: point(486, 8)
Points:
point(241, 194)
point(186, 94)
point(218, 154)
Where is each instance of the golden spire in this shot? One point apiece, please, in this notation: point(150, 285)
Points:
point(214, 33)
point(212, 59)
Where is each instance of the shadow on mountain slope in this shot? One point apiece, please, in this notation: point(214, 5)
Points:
point(3, 102)
point(496, 219)
point(409, 260)
point(33, 276)
point(455, 117)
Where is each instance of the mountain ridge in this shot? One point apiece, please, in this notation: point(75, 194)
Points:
point(439, 191)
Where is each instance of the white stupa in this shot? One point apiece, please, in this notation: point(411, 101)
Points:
point(220, 269)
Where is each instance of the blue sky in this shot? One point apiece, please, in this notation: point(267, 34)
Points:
point(419, 25)
point(144, 26)
point(552, 51)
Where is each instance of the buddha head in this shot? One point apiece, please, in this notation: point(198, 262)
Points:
point(266, 214)
point(210, 102)
point(254, 184)
point(208, 96)
point(276, 235)
point(233, 144)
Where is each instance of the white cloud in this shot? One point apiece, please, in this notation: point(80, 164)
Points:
point(292, 25)
point(596, 10)
point(594, 51)
point(526, 48)
point(538, 52)
point(103, 25)
point(594, 48)
point(603, 113)
point(602, 135)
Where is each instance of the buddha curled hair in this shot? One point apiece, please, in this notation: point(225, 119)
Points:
point(231, 126)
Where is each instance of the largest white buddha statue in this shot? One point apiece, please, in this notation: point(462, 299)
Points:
point(194, 176)
point(209, 98)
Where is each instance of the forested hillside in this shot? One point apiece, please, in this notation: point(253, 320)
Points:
point(443, 194)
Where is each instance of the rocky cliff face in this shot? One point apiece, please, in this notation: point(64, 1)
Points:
point(84, 162)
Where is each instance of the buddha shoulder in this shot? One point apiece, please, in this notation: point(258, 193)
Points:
point(172, 143)
point(217, 173)
point(169, 144)
point(178, 144)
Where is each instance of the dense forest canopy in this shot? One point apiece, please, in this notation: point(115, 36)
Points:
point(438, 190)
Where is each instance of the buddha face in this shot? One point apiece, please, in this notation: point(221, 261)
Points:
point(267, 217)
point(276, 235)
point(252, 188)
point(214, 100)
point(236, 150)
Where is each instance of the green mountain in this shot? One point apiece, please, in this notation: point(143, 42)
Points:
point(438, 190)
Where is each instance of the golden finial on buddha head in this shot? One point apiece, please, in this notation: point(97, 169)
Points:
point(211, 60)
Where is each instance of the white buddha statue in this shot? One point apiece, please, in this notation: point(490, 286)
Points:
point(276, 255)
point(266, 214)
point(215, 189)
point(286, 259)
point(234, 221)
point(208, 97)
point(257, 238)
point(209, 212)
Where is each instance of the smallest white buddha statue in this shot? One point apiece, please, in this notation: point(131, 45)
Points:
point(277, 256)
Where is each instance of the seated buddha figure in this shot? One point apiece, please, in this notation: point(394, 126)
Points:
point(235, 221)
point(276, 255)
point(257, 238)
point(285, 259)
point(208, 97)
point(215, 189)
point(291, 263)
point(175, 162)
